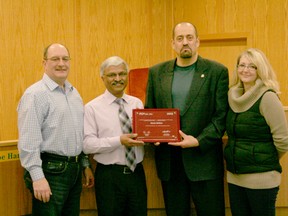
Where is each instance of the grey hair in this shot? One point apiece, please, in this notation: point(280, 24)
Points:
point(112, 61)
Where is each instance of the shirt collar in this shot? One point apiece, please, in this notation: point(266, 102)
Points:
point(111, 98)
point(52, 85)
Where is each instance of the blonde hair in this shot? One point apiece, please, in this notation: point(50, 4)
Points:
point(265, 72)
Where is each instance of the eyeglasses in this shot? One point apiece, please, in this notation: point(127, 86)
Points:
point(58, 59)
point(241, 67)
point(114, 75)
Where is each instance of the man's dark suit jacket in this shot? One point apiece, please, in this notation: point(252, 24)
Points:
point(203, 117)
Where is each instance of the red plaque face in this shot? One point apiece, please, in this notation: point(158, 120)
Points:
point(156, 125)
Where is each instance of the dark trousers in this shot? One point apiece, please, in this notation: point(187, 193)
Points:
point(252, 202)
point(207, 196)
point(120, 194)
point(65, 180)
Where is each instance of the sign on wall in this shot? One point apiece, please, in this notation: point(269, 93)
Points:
point(10, 155)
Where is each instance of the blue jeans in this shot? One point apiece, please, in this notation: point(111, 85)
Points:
point(65, 180)
point(252, 202)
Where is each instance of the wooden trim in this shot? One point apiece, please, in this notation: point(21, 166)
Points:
point(225, 36)
point(8, 143)
point(242, 38)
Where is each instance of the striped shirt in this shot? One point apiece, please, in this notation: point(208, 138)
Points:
point(50, 119)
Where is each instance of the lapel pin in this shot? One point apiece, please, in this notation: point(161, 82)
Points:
point(202, 75)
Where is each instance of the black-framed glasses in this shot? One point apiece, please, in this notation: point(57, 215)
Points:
point(250, 67)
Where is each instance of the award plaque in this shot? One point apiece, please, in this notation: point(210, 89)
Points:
point(156, 125)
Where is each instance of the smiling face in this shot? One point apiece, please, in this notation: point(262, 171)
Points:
point(115, 79)
point(247, 72)
point(57, 63)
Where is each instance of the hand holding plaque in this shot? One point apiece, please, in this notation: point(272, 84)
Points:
point(156, 125)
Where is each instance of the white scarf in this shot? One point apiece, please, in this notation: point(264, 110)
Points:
point(240, 101)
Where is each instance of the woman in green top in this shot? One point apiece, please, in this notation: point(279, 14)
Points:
point(257, 136)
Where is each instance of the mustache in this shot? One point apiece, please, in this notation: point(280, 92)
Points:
point(118, 82)
point(61, 68)
point(186, 47)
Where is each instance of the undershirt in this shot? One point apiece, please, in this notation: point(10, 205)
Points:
point(181, 84)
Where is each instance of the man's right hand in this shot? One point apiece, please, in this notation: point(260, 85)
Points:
point(130, 140)
point(42, 190)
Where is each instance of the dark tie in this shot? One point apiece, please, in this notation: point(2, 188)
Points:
point(126, 129)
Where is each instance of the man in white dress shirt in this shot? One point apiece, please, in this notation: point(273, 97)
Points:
point(119, 190)
point(50, 122)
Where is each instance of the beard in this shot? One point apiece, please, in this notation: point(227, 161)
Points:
point(186, 53)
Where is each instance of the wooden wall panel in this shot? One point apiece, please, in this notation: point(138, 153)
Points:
point(138, 31)
point(161, 15)
point(282, 198)
point(265, 24)
point(129, 29)
point(26, 28)
point(228, 44)
point(265, 21)
point(15, 199)
point(103, 30)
